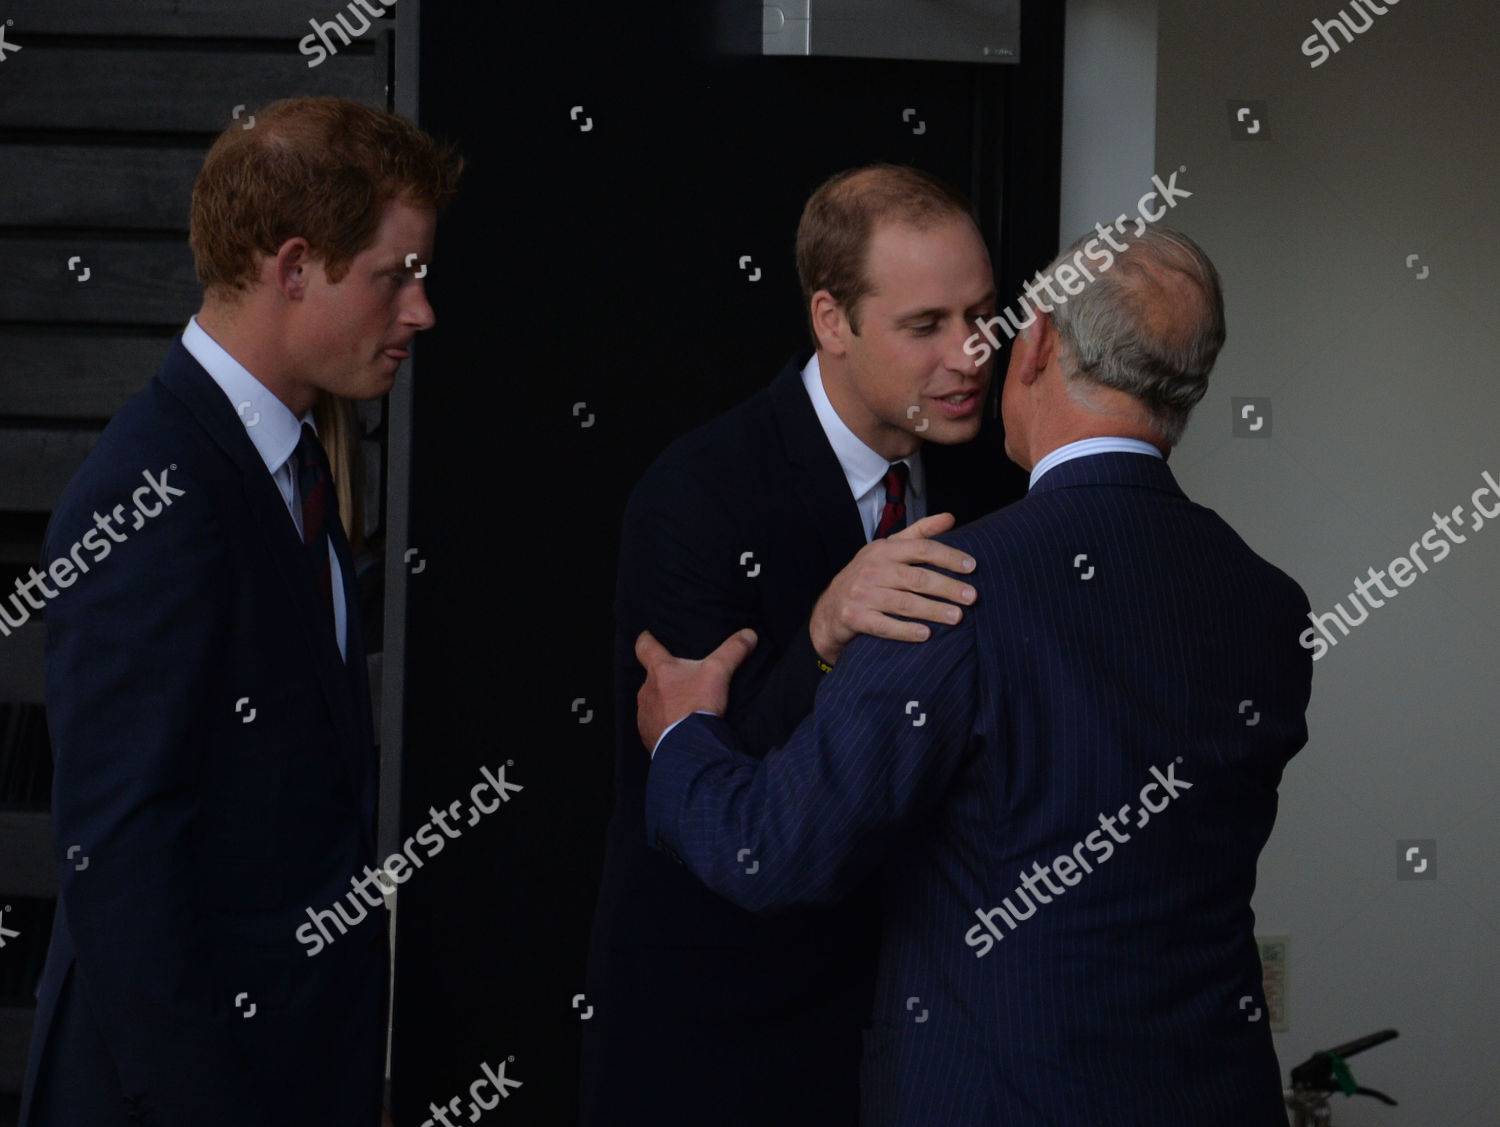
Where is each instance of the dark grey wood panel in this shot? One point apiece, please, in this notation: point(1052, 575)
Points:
point(97, 186)
point(276, 19)
point(170, 90)
point(35, 464)
point(26, 845)
point(130, 281)
point(62, 375)
point(23, 678)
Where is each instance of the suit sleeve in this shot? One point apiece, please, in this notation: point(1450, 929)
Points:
point(681, 578)
point(890, 727)
point(131, 650)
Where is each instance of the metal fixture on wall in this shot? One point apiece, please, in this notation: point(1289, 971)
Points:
point(965, 31)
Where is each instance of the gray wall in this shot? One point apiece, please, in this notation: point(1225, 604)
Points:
point(1383, 410)
point(1109, 111)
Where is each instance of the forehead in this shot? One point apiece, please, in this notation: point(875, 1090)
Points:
point(404, 228)
point(904, 261)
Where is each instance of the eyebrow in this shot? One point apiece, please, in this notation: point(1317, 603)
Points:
point(936, 312)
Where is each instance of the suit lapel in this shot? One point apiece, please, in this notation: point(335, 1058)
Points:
point(185, 378)
point(821, 487)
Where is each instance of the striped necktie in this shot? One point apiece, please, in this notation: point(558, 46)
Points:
point(893, 516)
point(319, 505)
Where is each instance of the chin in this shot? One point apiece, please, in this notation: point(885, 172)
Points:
point(954, 432)
point(375, 387)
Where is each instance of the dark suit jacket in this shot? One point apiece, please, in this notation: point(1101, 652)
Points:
point(704, 1013)
point(204, 836)
point(1127, 650)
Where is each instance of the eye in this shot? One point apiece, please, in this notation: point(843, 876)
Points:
point(926, 329)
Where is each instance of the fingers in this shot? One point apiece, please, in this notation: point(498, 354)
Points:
point(933, 584)
point(911, 544)
point(879, 625)
point(942, 555)
point(930, 610)
point(927, 526)
point(734, 650)
point(648, 651)
point(872, 615)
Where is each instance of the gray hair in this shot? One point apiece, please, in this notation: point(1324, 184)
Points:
point(1151, 327)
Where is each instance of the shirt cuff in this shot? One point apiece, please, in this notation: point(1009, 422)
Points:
point(674, 723)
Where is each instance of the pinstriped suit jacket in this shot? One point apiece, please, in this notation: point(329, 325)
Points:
point(1064, 795)
point(707, 1014)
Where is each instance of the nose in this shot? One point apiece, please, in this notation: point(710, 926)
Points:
point(962, 357)
point(418, 310)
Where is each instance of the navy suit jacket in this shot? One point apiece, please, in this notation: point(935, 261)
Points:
point(1123, 696)
point(214, 769)
point(704, 1012)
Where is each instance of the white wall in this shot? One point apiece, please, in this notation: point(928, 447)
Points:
point(1384, 404)
point(1109, 111)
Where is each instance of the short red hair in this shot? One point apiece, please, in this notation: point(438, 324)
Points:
point(321, 168)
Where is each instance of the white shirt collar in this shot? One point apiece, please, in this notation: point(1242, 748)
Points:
point(863, 467)
point(1086, 446)
point(269, 422)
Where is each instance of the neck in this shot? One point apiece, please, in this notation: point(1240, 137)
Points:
point(1068, 415)
point(253, 346)
point(891, 443)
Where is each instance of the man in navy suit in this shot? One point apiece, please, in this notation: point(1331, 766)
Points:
point(1066, 792)
point(206, 685)
point(802, 512)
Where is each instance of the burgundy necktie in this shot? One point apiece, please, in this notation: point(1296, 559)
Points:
point(893, 516)
point(319, 505)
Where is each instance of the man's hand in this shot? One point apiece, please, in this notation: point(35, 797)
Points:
point(676, 687)
point(883, 580)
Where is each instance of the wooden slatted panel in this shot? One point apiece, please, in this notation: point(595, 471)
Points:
point(23, 678)
point(175, 89)
point(35, 464)
point(130, 281)
point(26, 845)
point(275, 19)
point(119, 186)
point(72, 375)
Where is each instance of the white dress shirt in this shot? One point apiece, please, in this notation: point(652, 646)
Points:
point(275, 433)
point(863, 468)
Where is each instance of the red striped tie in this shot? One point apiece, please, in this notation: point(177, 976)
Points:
point(893, 516)
point(319, 505)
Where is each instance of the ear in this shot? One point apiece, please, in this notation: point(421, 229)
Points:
point(292, 267)
point(1032, 350)
point(830, 324)
point(1044, 332)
